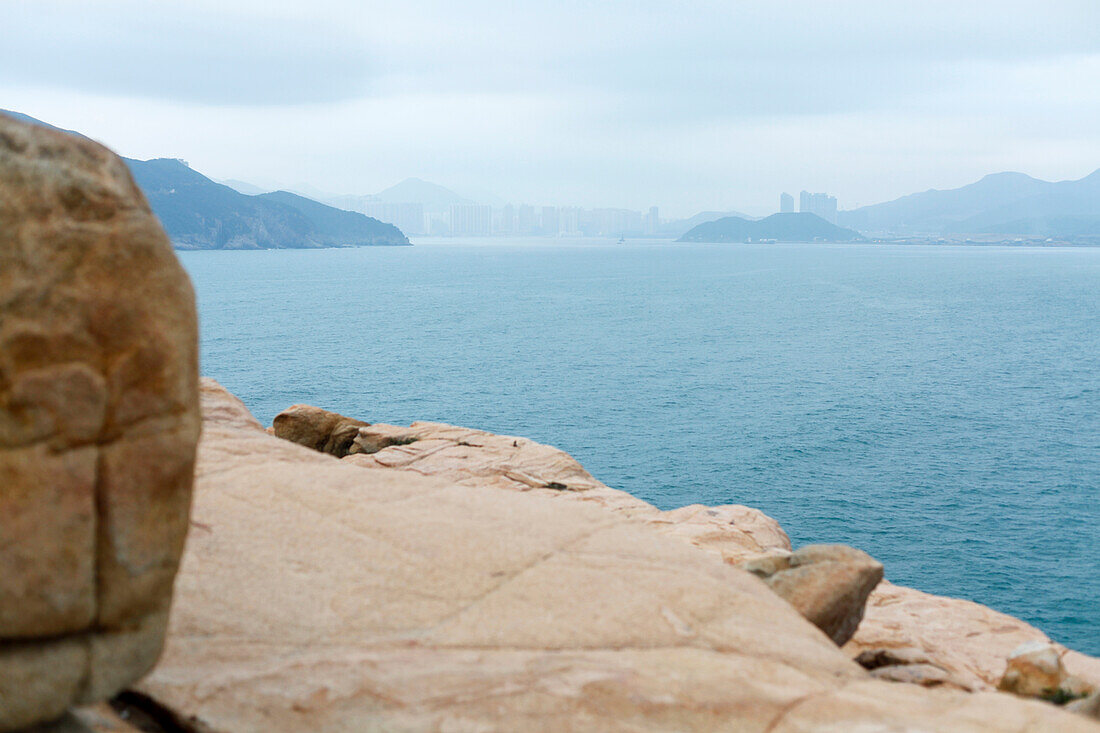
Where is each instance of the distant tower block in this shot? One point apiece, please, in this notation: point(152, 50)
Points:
point(821, 204)
point(786, 203)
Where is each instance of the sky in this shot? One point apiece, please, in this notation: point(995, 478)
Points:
point(689, 106)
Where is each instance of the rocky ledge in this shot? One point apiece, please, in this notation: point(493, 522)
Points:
point(441, 578)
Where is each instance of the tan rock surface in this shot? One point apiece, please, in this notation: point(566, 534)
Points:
point(967, 639)
point(468, 457)
point(1088, 706)
point(315, 595)
point(98, 423)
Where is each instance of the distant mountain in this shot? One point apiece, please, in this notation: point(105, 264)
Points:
point(780, 227)
point(1000, 203)
point(198, 213)
point(416, 191)
point(679, 227)
point(33, 121)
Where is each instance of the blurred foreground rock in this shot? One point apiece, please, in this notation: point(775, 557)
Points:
point(98, 424)
point(382, 599)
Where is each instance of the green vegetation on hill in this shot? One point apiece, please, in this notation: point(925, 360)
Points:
point(198, 213)
point(800, 227)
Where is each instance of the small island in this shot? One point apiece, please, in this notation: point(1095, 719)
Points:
point(800, 227)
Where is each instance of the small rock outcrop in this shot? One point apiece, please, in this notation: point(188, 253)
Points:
point(99, 420)
point(321, 430)
point(828, 584)
point(1087, 706)
point(1035, 669)
point(910, 665)
point(965, 638)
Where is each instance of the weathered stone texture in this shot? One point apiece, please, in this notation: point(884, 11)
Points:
point(98, 423)
point(385, 600)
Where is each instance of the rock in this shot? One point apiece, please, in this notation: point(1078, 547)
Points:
point(968, 640)
point(321, 430)
point(1034, 670)
point(965, 638)
point(876, 658)
point(828, 584)
point(98, 424)
point(909, 665)
point(315, 594)
point(470, 457)
point(1088, 706)
point(925, 675)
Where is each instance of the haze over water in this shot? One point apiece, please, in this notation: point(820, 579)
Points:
point(938, 407)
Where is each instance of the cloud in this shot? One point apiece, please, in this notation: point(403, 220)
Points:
point(685, 105)
point(181, 52)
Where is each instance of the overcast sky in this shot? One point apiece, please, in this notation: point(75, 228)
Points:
point(689, 106)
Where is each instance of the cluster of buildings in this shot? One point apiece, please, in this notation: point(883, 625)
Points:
point(479, 220)
point(821, 204)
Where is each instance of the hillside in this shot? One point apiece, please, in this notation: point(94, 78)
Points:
point(1000, 203)
point(198, 213)
point(799, 227)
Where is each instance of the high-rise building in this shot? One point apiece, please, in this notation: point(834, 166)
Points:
point(652, 222)
point(821, 204)
point(569, 221)
point(549, 222)
point(506, 224)
point(786, 203)
point(525, 219)
point(470, 220)
point(613, 223)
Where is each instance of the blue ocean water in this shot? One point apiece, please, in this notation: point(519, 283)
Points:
point(938, 407)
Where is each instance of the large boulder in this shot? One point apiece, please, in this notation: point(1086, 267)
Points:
point(828, 584)
point(98, 423)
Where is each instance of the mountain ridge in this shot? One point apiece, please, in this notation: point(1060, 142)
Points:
point(997, 203)
point(800, 227)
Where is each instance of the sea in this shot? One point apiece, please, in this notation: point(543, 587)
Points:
point(936, 406)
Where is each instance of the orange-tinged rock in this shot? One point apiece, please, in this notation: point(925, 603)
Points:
point(98, 423)
point(321, 430)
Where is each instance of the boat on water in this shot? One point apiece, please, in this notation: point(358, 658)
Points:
point(622, 240)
